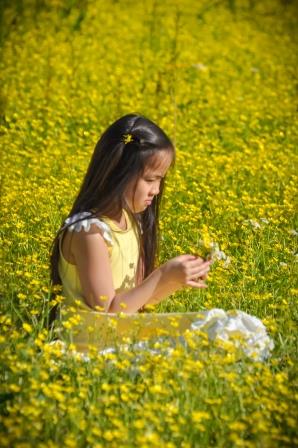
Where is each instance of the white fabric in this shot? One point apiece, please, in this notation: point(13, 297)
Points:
point(227, 326)
point(86, 223)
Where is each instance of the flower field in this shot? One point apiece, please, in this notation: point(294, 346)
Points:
point(221, 79)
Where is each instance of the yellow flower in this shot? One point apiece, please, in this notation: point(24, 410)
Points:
point(27, 327)
point(198, 416)
point(139, 424)
point(108, 435)
point(14, 387)
point(96, 431)
point(99, 308)
point(127, 138)
point(237, 426)
point(22, 296)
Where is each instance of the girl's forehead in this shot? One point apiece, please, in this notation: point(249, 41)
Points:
point(159, 163)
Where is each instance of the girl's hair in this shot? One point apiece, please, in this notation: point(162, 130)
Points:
point(113, 165)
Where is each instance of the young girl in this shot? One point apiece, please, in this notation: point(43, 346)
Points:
point(104, 254)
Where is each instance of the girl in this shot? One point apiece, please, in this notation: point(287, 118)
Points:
point(104, 254)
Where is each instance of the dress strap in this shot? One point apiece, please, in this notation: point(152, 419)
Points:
point(83, 220)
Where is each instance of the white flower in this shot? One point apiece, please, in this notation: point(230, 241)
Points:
point(217, 254)
point(200, 67)
point(227, 262)
point(255, 224)
point(107, 350)
point(264, 220)
point(293, 232)
point(58, 343)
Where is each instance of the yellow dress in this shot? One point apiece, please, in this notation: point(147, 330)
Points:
point(123, 250)
point(123, 247)
point(87, 327)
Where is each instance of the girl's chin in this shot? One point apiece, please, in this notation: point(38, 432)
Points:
point(139, 209)
point(142, 209)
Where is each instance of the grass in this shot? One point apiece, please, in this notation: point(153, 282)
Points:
point(220, 79)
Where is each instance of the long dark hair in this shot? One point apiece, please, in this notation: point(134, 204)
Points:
point(113, 165)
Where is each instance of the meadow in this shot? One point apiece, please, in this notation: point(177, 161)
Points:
point(221, 78)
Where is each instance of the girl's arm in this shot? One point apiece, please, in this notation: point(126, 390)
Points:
point(140, 279)
point(92, 261)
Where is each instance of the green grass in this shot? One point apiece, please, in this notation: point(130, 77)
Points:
point(220, 78)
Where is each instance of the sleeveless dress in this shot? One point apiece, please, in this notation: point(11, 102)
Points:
point(123, 249)
point(102, 329)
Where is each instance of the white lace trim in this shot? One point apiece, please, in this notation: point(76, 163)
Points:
point(86, 223)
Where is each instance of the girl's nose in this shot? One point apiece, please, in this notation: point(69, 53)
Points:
point(155, 190)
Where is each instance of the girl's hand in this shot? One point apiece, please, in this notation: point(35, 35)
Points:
point(187, 270)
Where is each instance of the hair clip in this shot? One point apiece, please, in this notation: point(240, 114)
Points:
point(127, 138)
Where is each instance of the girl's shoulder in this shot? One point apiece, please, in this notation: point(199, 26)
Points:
point(86, 221)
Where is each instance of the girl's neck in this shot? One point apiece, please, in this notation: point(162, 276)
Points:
point(117, 216)
point(120, 220)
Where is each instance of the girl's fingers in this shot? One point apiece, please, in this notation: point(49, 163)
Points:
point(199, 272)
point(199, 284)
point(187, 257)
point(196, 265)
point(198, 261)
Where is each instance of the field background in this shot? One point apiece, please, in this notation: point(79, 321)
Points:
point(221, 78)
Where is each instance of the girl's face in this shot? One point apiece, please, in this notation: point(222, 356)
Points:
point(140, 195)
